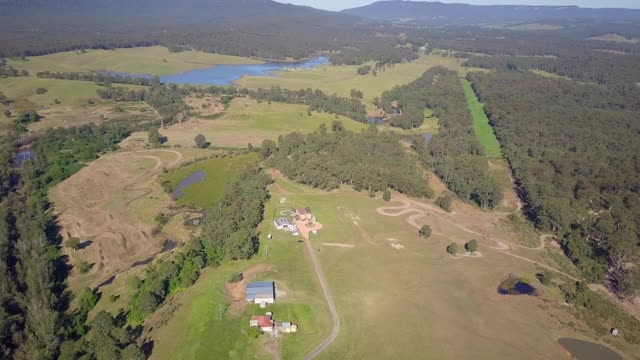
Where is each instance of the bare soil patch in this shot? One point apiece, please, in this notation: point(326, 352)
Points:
point(68, 116)
point(112, 204)
point(236, 292)
point(205, 105)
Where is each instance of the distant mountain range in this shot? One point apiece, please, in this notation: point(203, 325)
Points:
point(437, 13)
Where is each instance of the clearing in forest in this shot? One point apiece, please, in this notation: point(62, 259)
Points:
point(382, 273)
point(483, 129)
point(153, 60)
point(248, 121)
point(216, 175)
point(110, 206)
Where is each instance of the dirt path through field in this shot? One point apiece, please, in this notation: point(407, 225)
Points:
point(418, 211)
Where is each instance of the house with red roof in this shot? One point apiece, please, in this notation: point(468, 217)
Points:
point(264, 322)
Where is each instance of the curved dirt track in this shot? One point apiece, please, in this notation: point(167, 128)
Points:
point(501, 246)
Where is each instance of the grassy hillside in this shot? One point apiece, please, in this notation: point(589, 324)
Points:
point(247, 121)
point(155, 60)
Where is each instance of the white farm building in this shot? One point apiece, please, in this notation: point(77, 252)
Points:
point(261, 292)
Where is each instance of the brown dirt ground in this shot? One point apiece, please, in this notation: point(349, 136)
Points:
point(112, 202)
point(68, 116)
point(236, 291)
point(205, 106)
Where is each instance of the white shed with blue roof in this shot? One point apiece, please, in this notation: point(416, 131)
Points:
point(261, 292)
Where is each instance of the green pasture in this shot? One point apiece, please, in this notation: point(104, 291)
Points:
point(154, 60)
point(481, 125)
point(218, 173)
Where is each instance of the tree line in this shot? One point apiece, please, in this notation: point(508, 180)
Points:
point(316, 100)
point(454, 152)
point(574, 150)
point(228, 233)
point(369, 160)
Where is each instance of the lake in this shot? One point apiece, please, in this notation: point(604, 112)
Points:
point(227, 74)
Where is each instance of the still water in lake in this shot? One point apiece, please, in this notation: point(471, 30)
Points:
point(227, 74)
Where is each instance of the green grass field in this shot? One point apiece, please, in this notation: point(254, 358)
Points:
point(341, 79)
point(481, 125)
point(247, 121)
point(218, 173)
point(197, 331)
point(155, 60)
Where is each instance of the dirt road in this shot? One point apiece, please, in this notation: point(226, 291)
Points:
point(328, 298)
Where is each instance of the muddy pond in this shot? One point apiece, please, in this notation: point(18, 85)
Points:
point(193, 178)
point(585, 350)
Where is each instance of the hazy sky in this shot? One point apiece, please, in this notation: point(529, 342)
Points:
point(345, 4)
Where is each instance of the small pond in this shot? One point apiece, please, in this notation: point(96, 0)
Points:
point(227, 74)
point(514, 285)
point(427, 137)
point(585, 350)
point(169, 245)
point(193, 178)
point(376, 120)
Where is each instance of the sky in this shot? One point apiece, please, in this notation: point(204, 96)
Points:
point(346, 4)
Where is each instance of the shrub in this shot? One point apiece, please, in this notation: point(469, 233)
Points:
point(386, 195)
point(41, 91)
point(7, 113)
point(88, 299)
point(452, 249)
point(201, 141)
point(72, 243)
point(425, 231)
point(471, 246)
point(254, 332)
point(372, 193)
point(444, 202)
point(84, 267)
point(236, 277)
point(113, 298)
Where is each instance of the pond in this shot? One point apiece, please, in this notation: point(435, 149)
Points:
point(227, 74)
point(193, 178)
point(427, 137)
point(514, 285)
point(585, 350)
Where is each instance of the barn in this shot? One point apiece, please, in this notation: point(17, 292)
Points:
point(261, 292)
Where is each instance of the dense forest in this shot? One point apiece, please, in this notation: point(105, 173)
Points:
point(574, 150)
point(366, 161)
point(454, 152)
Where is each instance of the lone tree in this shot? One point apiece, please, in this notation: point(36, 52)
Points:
point(452, 249)
point(201, 141)
point(386, 195)
point(155, 138)
point(471, 246)
point(444, 202)
point(425, 231)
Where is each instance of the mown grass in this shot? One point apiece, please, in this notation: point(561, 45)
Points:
point(154, 60)
point(218, 173)
point(481, 125)
point(341, 79)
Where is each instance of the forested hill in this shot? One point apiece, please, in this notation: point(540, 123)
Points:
point(262, 28)
point(436, 13)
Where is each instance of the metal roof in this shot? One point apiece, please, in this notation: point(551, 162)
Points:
point(283, 221)
point(260, 288)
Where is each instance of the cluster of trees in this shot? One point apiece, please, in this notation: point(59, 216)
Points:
point(228, 233)
point(383, 52)
point(167, 100)
point(8, 71)
point(99, 78)
point(574, 150)
point(454, 153)
point(366, 161)
point(316, 100)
